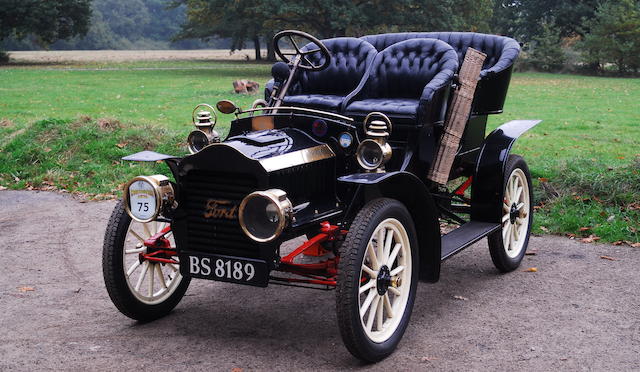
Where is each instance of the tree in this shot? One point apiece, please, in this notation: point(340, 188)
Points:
point(237, 20)
point(523, 19)
point(615, 35)
point(47, 20)
point(547, 54)
point(245, 20)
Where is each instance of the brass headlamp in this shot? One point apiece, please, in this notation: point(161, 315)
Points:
point(204, 134)
point(374, 152)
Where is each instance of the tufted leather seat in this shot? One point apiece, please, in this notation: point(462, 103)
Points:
point(404, 80)
point(326, 89)
point(501, 51)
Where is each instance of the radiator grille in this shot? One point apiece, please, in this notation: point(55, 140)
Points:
point(217, 235)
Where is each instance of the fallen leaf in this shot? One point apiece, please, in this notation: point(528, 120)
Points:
point(619, 242)
point(531, 253)
point(461, 298)
point(585, 228)
point(590, 239)
point(621, 157)
point(635, 245)
point(543, 179)
point(26, 289)
point(2, 188)
point(608, 258)
point(121, 145)
point(531, 270)
point(236, 369)
point(428, 359)
point(544, 229)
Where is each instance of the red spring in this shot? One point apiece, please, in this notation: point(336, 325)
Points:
point(460, 190)
point(324, 272)
point(162, 248)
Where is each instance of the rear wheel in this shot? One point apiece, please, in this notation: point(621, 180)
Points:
point(509, 244)
point(377, 281)
point(141, 289)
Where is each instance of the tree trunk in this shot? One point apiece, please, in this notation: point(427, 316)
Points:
point(256, 45)
point(271, 54)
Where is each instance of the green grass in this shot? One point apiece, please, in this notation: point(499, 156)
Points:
point(586, 150)
point(584, 157)
point(160, 96)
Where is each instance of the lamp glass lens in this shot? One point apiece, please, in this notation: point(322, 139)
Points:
point(261, 217)
point(142, 200)
point(371, 154)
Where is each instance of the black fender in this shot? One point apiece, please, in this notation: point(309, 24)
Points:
point(488, 175)
point(412, 192)
point(149, 156)
point(152, 156)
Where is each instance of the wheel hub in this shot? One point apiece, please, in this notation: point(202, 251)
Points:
point(383, 281)
point(513, 213)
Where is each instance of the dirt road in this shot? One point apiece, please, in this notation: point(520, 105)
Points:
point(84, 56)
point(577, 312)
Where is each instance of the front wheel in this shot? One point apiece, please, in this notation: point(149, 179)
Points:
point(378, 275)
point(141, 289)
point(509, 244)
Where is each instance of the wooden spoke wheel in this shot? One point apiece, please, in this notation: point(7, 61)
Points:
point(141, 289)
point(378, 275)
point(509, 244)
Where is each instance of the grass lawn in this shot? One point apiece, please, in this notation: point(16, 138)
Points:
point(584, 157)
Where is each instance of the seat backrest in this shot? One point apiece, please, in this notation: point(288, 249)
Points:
point(350, 59)
point(501, 51)
point(403, 69)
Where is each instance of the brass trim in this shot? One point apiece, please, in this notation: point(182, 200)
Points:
point(212, 137)
point(162, 191)
point(301, 109)
point(212, 112)
point(367, 122)
point(299, 157)
point(226, 106)
point(385, 155)
point(262, 123)
point(285, 212)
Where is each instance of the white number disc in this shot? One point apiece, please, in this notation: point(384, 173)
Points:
point(142, 200)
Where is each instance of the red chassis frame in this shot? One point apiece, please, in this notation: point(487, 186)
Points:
point(319, 273)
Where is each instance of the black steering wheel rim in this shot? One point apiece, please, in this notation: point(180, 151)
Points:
point(304, 63)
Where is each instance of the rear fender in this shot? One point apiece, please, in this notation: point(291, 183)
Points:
point(488, 176)
point(408, 189)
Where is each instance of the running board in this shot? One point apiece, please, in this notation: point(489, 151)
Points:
point(464, 236)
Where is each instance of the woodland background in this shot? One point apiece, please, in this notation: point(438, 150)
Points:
point(587, 36)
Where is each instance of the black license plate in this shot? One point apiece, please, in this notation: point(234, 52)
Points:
point(225, 268)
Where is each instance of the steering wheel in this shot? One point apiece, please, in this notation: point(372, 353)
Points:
point(300, 57)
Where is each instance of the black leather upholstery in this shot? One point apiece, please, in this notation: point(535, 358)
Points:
point(326, 89)
point(404, 79)
point(501, 51)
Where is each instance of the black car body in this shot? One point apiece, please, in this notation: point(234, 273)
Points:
point(303, 152)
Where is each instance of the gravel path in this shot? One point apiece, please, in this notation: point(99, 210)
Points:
point(577, 312)
point(83, 56)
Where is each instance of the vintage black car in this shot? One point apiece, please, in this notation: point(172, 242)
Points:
point(338, 152)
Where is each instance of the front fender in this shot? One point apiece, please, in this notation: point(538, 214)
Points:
point(412, 192)
point(488, 176)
